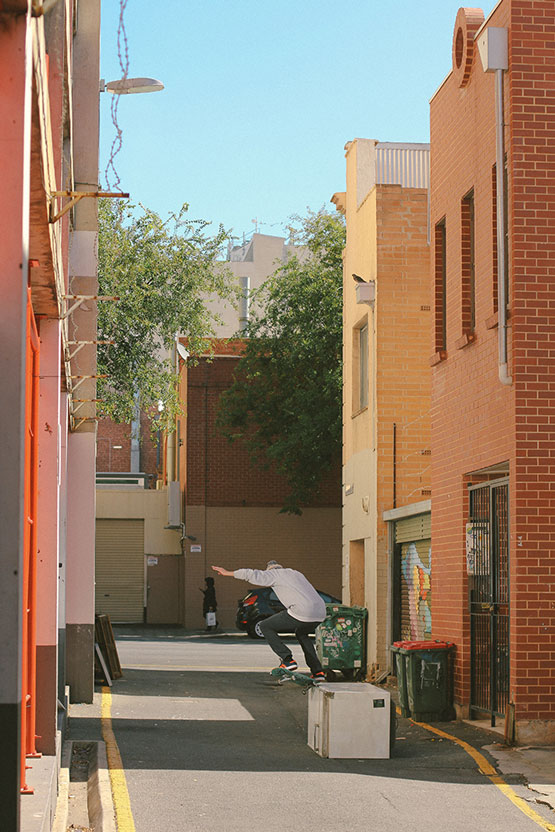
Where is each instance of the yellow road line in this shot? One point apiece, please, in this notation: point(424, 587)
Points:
point(122, 804)
point(486, 768)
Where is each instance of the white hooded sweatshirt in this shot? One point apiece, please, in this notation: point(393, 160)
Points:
point(295, 592)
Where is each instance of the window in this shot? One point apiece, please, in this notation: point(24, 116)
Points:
point(468, 288)
point(360, 370)
point(440, 268)
point(363, 366)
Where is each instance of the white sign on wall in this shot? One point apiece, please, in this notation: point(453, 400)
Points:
point(477, 548)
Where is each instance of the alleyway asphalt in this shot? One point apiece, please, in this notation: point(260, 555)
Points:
point(209, 743)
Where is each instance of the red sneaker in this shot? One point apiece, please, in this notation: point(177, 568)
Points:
point(289, 664)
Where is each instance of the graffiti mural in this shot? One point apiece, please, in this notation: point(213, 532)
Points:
point(416, 576)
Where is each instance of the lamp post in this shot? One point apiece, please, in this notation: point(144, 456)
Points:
point(128, 86)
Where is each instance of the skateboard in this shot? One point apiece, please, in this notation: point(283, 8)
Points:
point(295, 676)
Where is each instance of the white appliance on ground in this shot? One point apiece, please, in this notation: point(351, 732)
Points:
point(347, 720)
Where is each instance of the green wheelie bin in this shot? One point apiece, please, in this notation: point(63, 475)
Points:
point(341, 640)
point(425, 684)
point(401, 674)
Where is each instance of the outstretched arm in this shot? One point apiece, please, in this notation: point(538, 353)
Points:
point(258, 577)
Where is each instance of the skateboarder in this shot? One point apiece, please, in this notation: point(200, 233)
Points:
point(304, 610)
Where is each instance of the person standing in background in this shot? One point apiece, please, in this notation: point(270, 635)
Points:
point(209, 605)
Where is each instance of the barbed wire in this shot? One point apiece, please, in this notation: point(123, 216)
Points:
point(419, 487)
point(426, 413)
point(124, 66)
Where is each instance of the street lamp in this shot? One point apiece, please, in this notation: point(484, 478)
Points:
point(183, 352)
point(127, 86)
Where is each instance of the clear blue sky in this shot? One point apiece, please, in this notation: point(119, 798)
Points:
point(262, 95)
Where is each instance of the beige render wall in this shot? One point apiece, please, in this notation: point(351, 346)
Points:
point(129, 504)
point(359, 427)
point(266, 253)
point(249, 537)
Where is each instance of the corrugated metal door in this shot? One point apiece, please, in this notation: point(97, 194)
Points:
point(120, 570)
point(413, 548)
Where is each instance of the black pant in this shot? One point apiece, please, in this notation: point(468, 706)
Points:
point(282, 622)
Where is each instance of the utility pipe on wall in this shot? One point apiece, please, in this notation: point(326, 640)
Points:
point(245, 283)
point(171, 450)
point(135, 461)
point(494, 53)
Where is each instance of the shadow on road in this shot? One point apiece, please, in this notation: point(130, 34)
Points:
point(236, 721)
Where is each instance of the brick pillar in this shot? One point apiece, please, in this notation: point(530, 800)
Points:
point(533, 320)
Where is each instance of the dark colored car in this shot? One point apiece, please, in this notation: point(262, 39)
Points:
point(261, 603)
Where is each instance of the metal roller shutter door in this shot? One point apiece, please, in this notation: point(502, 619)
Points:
point(413, 528)
point(120, 570)
point(413, 534)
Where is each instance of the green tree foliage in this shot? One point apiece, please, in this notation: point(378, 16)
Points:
point(162, 271)
point(285, 402)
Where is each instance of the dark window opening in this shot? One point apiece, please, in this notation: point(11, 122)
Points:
point(440, 289)
point(468, 264)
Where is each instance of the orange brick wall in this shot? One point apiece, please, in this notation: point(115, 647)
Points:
point(477, 421)
point(472, 413)
point(404, 320)
point(532, 136)
point(403, 377)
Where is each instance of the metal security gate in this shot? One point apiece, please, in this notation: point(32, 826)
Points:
point(487, 552)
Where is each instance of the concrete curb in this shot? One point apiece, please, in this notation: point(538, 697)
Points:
point(535, 764)
point(62, 805)
point(101, 806)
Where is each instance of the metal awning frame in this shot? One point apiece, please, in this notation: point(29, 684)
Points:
point(75, 197)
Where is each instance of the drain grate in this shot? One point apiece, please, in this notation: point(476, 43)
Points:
point(78, 808)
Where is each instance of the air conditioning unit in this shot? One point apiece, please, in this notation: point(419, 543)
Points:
point(366, 292)
point(493, 48)
point(174, 505)
point(349, 720)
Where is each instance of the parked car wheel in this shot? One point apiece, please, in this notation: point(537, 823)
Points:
point(254, 631)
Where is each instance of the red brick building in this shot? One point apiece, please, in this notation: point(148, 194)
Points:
point(232, 507)
point(230, 510)
point(114, 449)
point(493, 444)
